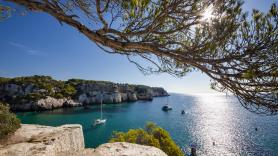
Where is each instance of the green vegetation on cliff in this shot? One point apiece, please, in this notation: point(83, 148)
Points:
point(35, 87)
point(151, 135)
point(47, 85)
point(8, 121)
point(23, 93)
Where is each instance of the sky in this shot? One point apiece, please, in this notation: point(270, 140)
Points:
point(37, 44)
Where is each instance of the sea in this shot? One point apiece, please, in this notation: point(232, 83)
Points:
point(215, 124)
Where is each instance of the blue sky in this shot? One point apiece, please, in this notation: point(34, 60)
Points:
point(37, 44)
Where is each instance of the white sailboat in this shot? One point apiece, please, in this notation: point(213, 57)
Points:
point(100, 121)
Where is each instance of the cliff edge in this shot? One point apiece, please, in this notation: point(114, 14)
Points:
point(36, 93)
point(66, 140)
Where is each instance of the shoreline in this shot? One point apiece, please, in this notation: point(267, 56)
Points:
point(89, 105)
point(38, 93)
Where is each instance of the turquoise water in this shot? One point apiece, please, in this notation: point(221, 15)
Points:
point(208, 118)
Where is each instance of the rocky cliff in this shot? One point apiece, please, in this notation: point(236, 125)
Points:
point(66, 140)
point(43, 93)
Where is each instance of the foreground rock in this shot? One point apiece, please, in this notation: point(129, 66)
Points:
point(127, 149)
point(66, 140)
point(37, 140)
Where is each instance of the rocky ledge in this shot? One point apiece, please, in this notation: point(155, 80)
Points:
point(36, 93)
point(66, 140)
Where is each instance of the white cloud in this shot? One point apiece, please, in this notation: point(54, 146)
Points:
point(27, 50)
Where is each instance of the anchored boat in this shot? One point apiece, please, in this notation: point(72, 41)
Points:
point(167, 107)
point(100, 121)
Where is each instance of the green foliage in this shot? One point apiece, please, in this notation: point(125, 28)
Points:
point(40, 82)
point(41, 86)
point(138, 136)
point(249, 74)
point(68, 90)
point(5, 12)
point(3, 80)
point(173, 37)
point(76, 82)
point(58, 95)
point(152, 135)
point(8, 123)
point(275, 73)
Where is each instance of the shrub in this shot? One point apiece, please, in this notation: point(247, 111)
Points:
point(152, 135)
point(4, 80)
point(68, 90)
point(8, 123)
point(58, 95)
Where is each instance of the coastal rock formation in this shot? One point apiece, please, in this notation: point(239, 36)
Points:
point(47, 103)
point(37, 93)
point(37, 140)
point(66, 140)
point(51, 103)
point(158, 91)
point(93, 92)
point(131, 97)
point(127, 149)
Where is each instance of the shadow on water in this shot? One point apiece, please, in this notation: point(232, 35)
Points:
point(107, 108)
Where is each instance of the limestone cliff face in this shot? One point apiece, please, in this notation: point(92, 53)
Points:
point(93, 92)
point(47, 103)
point(37, 140)
point(159, 91)
point(44, 93)
point(66, 140)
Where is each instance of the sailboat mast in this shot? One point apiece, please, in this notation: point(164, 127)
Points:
point(101, 108)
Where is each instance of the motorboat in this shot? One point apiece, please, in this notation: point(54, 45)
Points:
point(166, 108)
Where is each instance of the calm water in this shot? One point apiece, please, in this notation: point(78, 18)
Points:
point(208, 118)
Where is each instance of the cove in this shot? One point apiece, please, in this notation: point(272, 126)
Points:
point(208, 118)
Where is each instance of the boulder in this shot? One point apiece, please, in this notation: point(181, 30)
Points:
point(37, 140)
point(66, 140)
